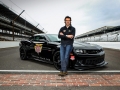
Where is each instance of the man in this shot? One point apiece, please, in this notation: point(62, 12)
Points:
point(66, 34)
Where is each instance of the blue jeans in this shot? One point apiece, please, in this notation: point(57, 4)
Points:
point(64, 56)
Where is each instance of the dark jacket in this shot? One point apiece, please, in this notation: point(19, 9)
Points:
point(66, 31)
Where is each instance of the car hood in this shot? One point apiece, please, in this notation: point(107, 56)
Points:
point(83, 45)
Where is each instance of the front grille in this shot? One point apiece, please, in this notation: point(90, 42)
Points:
point(92, 51)
point(88, 51)
point(93, 61)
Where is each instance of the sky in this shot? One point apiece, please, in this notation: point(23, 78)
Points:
point(86, 15)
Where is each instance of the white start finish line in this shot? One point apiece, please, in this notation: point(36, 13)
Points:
point(53, 71)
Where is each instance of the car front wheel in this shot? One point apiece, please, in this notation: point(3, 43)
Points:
point(23, 53)
point(56, 60)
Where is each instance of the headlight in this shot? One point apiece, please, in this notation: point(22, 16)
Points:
point(79, 51)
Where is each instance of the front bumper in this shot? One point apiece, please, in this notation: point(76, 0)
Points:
point(85, 67)
point(83, 62)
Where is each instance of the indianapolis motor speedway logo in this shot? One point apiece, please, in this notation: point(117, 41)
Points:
point(38, 48)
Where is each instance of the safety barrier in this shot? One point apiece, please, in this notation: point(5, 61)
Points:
point(114, 45)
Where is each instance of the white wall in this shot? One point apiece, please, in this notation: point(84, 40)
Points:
point(5, 44)
point(114, 45)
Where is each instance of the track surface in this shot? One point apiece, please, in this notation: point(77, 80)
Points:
point(10, 60)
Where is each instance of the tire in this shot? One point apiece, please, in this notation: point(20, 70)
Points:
point(23, 53)
point(56, 60)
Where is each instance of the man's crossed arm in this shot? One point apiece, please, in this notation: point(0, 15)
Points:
point(69, 36)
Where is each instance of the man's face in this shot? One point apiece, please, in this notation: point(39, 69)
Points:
point(67, 22)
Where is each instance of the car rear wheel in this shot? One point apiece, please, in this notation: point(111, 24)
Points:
point(56, 60)
point(23, 53)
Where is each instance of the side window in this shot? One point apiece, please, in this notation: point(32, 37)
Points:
point(37, 38)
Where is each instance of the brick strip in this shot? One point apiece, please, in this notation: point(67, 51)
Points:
point(55, 80)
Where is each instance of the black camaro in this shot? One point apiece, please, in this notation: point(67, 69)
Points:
point(46, 48)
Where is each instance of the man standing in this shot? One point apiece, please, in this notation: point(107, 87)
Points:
point(66, 34)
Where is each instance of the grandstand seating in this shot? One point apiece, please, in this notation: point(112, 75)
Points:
point(110, 35)
point(20, 29)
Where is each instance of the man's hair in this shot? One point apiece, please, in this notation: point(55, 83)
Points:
point(67, 17)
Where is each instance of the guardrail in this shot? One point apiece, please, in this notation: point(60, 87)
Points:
point(6, 44)
point(113, 45)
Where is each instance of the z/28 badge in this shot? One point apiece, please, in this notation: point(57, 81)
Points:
point(38, 48)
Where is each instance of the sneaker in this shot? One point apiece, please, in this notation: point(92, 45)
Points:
point(60, 73)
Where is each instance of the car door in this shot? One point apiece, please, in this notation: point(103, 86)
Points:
point(35, 46)
point(47, 49)
point(39, 47)
point(44, 46)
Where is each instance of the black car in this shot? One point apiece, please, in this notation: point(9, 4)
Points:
point(46, 48)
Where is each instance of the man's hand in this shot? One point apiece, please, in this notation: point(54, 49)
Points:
point(61, 33)
point(70, 36)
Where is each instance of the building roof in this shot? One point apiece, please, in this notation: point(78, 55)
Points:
point(99, 31)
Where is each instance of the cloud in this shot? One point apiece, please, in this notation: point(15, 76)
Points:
point(86, 15)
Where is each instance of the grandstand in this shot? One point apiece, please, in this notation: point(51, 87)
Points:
point(13, 26)
point(103, 34)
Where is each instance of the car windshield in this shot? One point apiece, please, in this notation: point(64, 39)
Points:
point(53, 37)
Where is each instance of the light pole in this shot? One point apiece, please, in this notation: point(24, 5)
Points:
point(14, 21)
point(35, 27)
